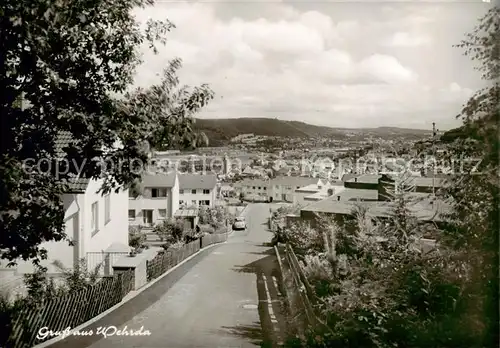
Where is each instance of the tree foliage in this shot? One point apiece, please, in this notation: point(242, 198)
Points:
point(67, 66)
point(475, 220)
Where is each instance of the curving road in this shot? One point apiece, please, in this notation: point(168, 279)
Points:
point(228, 299)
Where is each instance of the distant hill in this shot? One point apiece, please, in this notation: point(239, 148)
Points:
point(219, 131)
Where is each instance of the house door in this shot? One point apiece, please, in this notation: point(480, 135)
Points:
point(283, 197)
point(147, 217)
point(270, 199)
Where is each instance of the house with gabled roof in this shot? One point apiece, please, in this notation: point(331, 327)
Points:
point(96, 223)
point(156, 198)
point(197, 190)
point(162, 195)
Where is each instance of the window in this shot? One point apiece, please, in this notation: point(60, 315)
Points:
point(205, 202)
point(159, 192)
point(147, 217)
point(95, 218)
point(277, 187)
point(181, 192)
point(298, 187)
point(131, 214)
point(193, 191)
point(107, 209)
point(193, 202)
point(265, 188)
point(253, 187)
point(162, 213)
point(258, 187)
point(206, 192)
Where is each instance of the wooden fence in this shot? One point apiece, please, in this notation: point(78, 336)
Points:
point(305, 303)
point(70, 310)
point(166, 260)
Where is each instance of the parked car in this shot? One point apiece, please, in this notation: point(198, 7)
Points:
point(239, 223)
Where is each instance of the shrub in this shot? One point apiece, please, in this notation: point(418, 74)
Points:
point(136, 238)
point(217, 217)
point(170, 231)
point(40, 286)
point(80, 277)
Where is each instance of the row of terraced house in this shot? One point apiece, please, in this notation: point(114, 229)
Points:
point(99, 224)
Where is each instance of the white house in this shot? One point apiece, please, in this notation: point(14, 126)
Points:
point(94, 222)
point(254, 188)
point(161, 195)
point(283, 188)
point(156, 199)
point(197, 190)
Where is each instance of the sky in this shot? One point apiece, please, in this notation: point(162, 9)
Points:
point(333, 63)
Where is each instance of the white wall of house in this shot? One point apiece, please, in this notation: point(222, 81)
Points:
point(283, 192)
point(78, 227)
point(161, 208)
point(258, 189)
point(174, 197)
point(254, 188)
point(112, 227)
point(62, 251)
point(188, 197)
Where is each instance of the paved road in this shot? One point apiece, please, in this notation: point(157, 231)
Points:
point(223, 301)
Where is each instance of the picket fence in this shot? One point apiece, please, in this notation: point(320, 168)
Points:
point(70, 310)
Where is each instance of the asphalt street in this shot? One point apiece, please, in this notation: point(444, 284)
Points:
point(230, 298)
